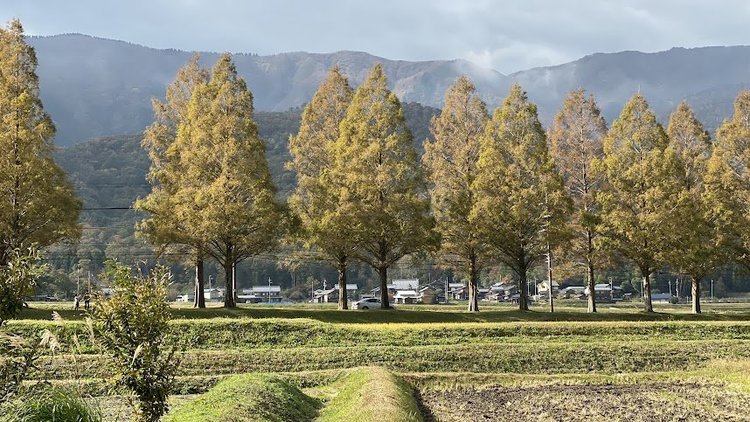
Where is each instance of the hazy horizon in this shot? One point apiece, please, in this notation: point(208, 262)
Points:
point(506, 37)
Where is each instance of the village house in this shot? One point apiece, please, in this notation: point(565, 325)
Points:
point(332, 295)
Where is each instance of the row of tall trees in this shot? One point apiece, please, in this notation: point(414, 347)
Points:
point(489, 188)
point(503, 190)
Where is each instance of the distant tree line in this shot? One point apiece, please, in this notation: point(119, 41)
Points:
point(489, 189)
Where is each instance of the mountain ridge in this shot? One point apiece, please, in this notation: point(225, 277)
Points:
point(94, 87)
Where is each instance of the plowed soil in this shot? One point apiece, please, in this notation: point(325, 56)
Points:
point(629, 402)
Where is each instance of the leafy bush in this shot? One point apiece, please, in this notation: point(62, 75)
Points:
point(131, 327)
point(249, 397)
point(16, 281)
point(54, 404)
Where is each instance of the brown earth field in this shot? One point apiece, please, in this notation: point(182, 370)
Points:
point(653, 402)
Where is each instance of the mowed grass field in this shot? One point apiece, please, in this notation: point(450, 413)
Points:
point(312, 362)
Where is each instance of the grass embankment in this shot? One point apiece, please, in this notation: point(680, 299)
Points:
point(220, 347)
point(429, 313)
point(249, 397)
point(364, 394)
point(223, 334)
point(369, 395)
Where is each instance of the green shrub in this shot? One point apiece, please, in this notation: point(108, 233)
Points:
point(131, 327)
point(249, 397)
point(56, 405)
point(16, 281)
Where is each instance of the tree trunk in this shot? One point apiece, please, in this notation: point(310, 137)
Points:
point(473, 284)
point(696, 293)
point(383, 273)
point(590, 281)
point(591, 285)
point(341, 268)
point(229, 278)
point(648, 306)
point(200, 298)
point(549, 279)
point(523, 285)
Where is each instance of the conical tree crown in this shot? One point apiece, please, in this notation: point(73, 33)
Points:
point(319, 129)
point(168, 115)
point(451, 161)
point(382, 184)
point(520, 194)
point(643, 184)
point(375, 143)
point(227, 184)
point(727, 181)
point(39, 205)
point(576, 139)
point(166, 172)
point(691, 142)
point(316, 198)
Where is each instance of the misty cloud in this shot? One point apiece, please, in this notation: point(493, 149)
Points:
point(507, 36)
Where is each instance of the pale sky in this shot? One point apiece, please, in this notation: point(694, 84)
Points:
point(508, 35)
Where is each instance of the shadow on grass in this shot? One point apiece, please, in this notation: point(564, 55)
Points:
point(405, 316)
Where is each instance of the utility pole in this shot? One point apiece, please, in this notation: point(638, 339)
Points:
point(712, 290)
point(269, 289)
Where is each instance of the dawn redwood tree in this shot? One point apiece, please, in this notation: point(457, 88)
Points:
point(382, 186)
point(162, 228)
point(575, 142)
point(316, 198)
point(699, 250)
point(451, 161)
point(641, 197)
point(521, 200)
point(226, 195)
point(38, 206)
point(728, 182)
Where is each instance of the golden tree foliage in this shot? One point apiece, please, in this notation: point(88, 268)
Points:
point(521, 199)
point(641, 198)
point(699, 250)
point(226, 195)
point(162, 228)
point(38, 204)
point(728, 181)
point(451, 162)
point(575, 142)
point(382, 185)
point(316, 199)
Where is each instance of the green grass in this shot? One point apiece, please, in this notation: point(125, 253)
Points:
point(271, 333)
point(541, 357)
point(369, 395)
point(52, 404)
point(250, 397)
